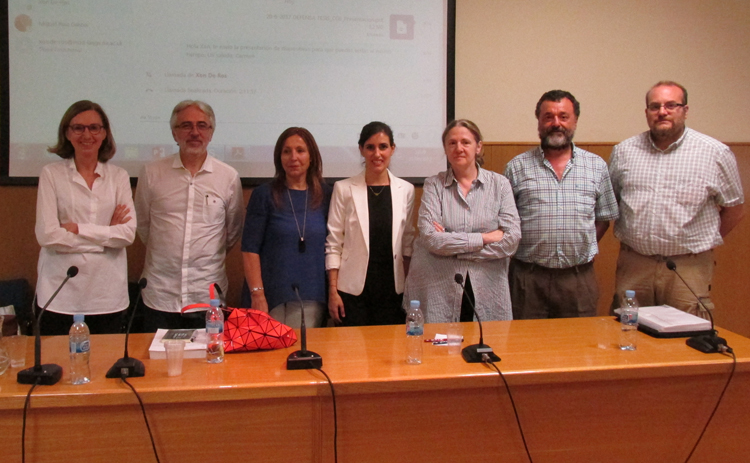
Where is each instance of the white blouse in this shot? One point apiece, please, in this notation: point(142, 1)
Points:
point(98, 250)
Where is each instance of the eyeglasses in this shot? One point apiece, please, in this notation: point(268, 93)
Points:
point(671, 106)
point(78, 129)
point(188, 127)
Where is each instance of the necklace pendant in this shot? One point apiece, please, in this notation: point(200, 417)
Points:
point(301, 243)
point(373, 190)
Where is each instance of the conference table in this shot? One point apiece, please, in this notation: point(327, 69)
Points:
point(577, 402)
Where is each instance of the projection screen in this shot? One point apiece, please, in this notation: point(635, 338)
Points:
point(264, 65)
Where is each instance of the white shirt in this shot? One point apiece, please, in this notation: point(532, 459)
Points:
point(187, 224)
point(98, 250)
point(668, 199)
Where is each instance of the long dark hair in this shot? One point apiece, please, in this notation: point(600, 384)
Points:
point(64, 148)
point(314, 176)
point(374, 128)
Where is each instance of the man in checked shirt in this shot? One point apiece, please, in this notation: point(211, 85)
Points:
point(565, 200)
point(679, 193)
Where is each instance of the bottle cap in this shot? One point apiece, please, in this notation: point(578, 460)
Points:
point(414, 304)
point(215, 302)
point(78, 317)
point(630, 293)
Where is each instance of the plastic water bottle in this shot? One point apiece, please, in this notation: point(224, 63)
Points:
point(414, 334)
point(629, 321)
point(215, 333)
point(80, 344)
point(4, 354)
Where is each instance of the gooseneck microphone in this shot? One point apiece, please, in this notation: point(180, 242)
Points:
point(706, 343)
point(128, 367)
point(303, 359)
point(49, 373)
point(475, 352)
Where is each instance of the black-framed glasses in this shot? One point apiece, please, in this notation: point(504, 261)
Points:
point(78, 129)
point(671, 106)
point(188, 126)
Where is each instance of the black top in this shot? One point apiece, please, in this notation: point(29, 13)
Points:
point(380, 209)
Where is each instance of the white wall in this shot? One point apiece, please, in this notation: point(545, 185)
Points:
point(607, 53)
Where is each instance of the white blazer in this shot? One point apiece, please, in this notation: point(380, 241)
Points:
point(348, 242)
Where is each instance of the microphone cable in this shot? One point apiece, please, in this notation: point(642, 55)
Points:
point(488, 361)
point(335, 418)
point(124, 379)
point(718, 402)
point(23, 428)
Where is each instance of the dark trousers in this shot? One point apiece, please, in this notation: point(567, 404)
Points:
point(379, 304)
point(467, 301)
point(541, 292)
point(154, 319)
point(362, 311)
point(58, 324)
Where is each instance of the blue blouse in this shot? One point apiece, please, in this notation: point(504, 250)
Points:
point(272, 233)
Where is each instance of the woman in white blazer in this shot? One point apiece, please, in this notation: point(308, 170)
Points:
point(370, 235)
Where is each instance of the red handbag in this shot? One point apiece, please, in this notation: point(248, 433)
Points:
point(249, 329)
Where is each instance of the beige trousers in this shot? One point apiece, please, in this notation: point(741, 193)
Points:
point(655, 284)
point(289, 313)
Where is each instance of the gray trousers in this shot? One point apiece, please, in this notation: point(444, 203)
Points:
point(541, 292)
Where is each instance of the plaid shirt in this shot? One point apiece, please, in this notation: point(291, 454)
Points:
point(668, 199)
point(558, 215)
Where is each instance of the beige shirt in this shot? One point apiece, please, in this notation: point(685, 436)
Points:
point(668, 199)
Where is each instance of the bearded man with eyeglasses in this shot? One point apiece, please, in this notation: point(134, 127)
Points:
point(189, 207)
point(679, 194)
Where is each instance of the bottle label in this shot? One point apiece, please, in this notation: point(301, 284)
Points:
point(80, 347)
point(629, 316)
point(412, 329)
point(214, 328)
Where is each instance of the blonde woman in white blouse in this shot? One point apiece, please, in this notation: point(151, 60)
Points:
point(84, 217)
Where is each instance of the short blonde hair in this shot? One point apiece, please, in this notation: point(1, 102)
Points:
point(471, 127)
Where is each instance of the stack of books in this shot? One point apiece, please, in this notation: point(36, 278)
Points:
point(195, 343)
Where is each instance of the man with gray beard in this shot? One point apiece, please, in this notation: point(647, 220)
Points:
point(190, 209)
point(565, 200)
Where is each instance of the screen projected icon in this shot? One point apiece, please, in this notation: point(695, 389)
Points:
point(22, 22)
point(402, 27)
